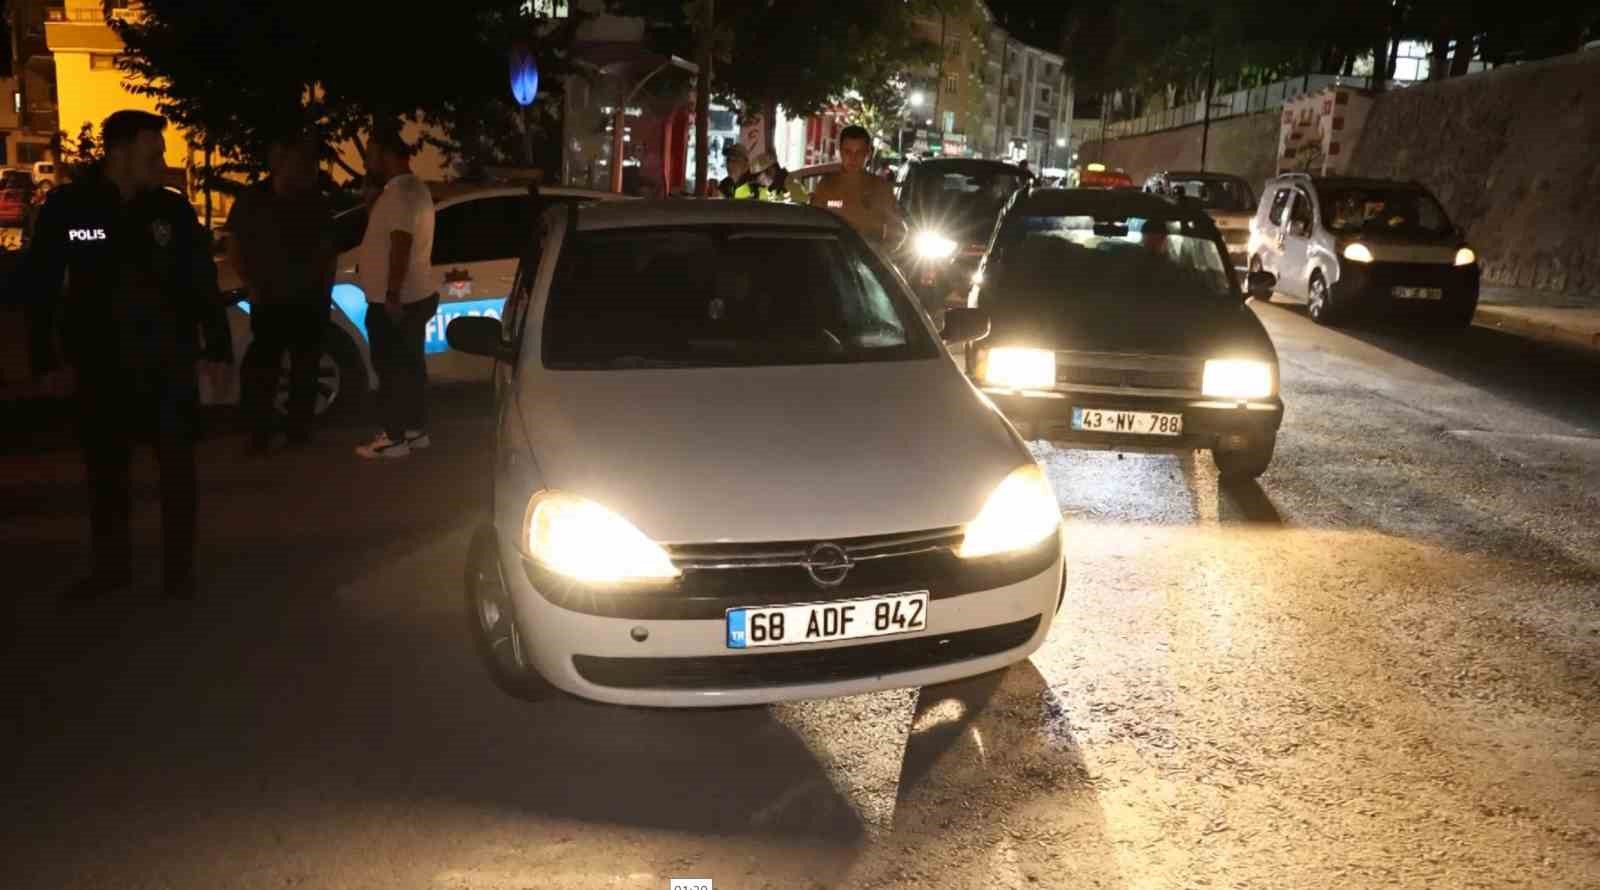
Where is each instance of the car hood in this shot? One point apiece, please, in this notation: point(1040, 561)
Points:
point(1198, 329)
point(1231, 219)
point(800, 453)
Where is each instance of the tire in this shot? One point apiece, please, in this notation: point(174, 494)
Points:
point(1460, 316)
point(1320, 302)
point(1242, 466)
point(341, 379)
point(491, 617)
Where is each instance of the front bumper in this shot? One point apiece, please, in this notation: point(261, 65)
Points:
point(1370, 286)
point(586, 648)
point(1207, 423)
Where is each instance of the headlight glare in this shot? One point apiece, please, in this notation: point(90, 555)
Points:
point(1358, 252)
point(577, 537)
point(1019, 368)
point(1465, 257)
point(1020, 513)
point(1237, 379)
point(933, 246)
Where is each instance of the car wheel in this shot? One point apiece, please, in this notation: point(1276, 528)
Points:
point(1244, 464)
point(1461, 316)
point(341, 378)
point(1254, 267)
point(492, 617)
point(1320, 304)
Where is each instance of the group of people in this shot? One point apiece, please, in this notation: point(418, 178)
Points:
point(865, 200)
point(124, 311)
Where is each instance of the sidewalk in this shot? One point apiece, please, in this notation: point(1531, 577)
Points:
point(1539, 315)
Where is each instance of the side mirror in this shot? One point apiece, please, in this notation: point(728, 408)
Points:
point(965, 325)
point(1260, 283)
point(477, 335)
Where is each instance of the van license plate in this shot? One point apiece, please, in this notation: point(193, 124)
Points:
point(879, 616)
point(1418, 293)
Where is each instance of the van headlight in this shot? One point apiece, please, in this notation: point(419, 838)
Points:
point(1465, 257)
point(1019, 368)
point(1358, 252)
point(578, 538)
point(1020, 513)
point(1235, 378)
point(933, 246)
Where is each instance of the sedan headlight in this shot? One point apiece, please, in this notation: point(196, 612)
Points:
point(1237, 379)
point(1358, 252)
point(933, 246)
point(577, 537)
point(1019, 368)
point(1465, 257)
point(1020, 513)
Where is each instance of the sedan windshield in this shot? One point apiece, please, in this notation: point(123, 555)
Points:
point(713, 295)
point(1380, 211)
point(1048, 260)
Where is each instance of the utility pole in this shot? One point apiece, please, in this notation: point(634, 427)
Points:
point(1211, 84)
point(938, 93)
point(702, 103)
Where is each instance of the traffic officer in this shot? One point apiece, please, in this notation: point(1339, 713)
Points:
point(123, 269)
point(773, 182)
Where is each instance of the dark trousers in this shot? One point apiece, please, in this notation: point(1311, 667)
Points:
point(276, 330)
point(116, 410)
point(397, 356)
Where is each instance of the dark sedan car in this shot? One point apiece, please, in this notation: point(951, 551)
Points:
point(951, 206)
point(1118, 323)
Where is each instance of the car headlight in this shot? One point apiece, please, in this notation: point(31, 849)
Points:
point(1465, 257)
point(1237, 379)
point(1019, 368)
point(1020, 513)
point(933, 246)
point(577, 537)
point(1358, 252)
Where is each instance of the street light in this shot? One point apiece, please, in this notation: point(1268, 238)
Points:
point(916, 99)
point(619, 114)
point(1061, 142)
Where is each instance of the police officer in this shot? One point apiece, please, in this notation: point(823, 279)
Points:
point(123, 269)
point(773, 182)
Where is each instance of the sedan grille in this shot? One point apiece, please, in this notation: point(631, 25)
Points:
point(1129, 371)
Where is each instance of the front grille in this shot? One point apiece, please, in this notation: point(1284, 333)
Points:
point(1129, 371)
point(745, 671)
point(718, 577)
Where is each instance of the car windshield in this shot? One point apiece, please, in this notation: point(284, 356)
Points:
point(1110, 260)
point(1215, 194)
point(720, 295)
point(1380, 211)
point(962, 193)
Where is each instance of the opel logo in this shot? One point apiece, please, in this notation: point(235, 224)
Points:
point(827, 564)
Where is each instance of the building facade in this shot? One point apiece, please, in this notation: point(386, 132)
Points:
point(1032, 106)
point(31, 123)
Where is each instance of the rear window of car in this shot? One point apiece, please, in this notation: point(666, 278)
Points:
point(1216, 194)
point(706, 296)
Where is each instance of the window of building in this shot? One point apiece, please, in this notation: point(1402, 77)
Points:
point(1041, 122)
point(952, 83)
point(550, 9)
point(102, 62)
point(949, 121)
point(1045, 95)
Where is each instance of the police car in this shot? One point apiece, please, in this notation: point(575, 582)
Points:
point(478, 233)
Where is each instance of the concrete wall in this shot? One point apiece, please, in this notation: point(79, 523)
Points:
point(1514, 155)
point(1246, 146)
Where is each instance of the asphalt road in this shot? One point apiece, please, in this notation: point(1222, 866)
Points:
point(1379, 667)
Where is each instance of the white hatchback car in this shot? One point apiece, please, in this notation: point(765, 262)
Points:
point(737, 465)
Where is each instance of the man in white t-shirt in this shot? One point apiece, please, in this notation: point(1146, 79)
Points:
point(395, 260)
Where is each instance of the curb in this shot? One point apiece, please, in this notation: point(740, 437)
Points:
point(1510, 320)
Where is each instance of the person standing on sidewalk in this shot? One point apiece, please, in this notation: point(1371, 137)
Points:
point(282, 247)
point(123, 269)
point(395, 267)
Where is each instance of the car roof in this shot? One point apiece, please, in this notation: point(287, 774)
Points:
point(1197, 174)
point(1119, 202)
point(1365, 182)
point(965, 163)
point(701, 212)
point(455, 192)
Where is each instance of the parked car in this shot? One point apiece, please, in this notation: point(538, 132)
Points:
point(951, 206)
point(16, 193)
point(478, 233)
point(1350, 247)
point(1227, 198)
point(45, 171)
point(718, 486)
point(1119, 324)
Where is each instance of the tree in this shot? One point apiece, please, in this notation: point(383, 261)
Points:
point(237, 74)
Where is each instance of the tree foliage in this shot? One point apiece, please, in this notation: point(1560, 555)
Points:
point(235, 74)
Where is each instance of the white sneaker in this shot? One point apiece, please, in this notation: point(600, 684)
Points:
point(418, 439)
point(383, 446)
